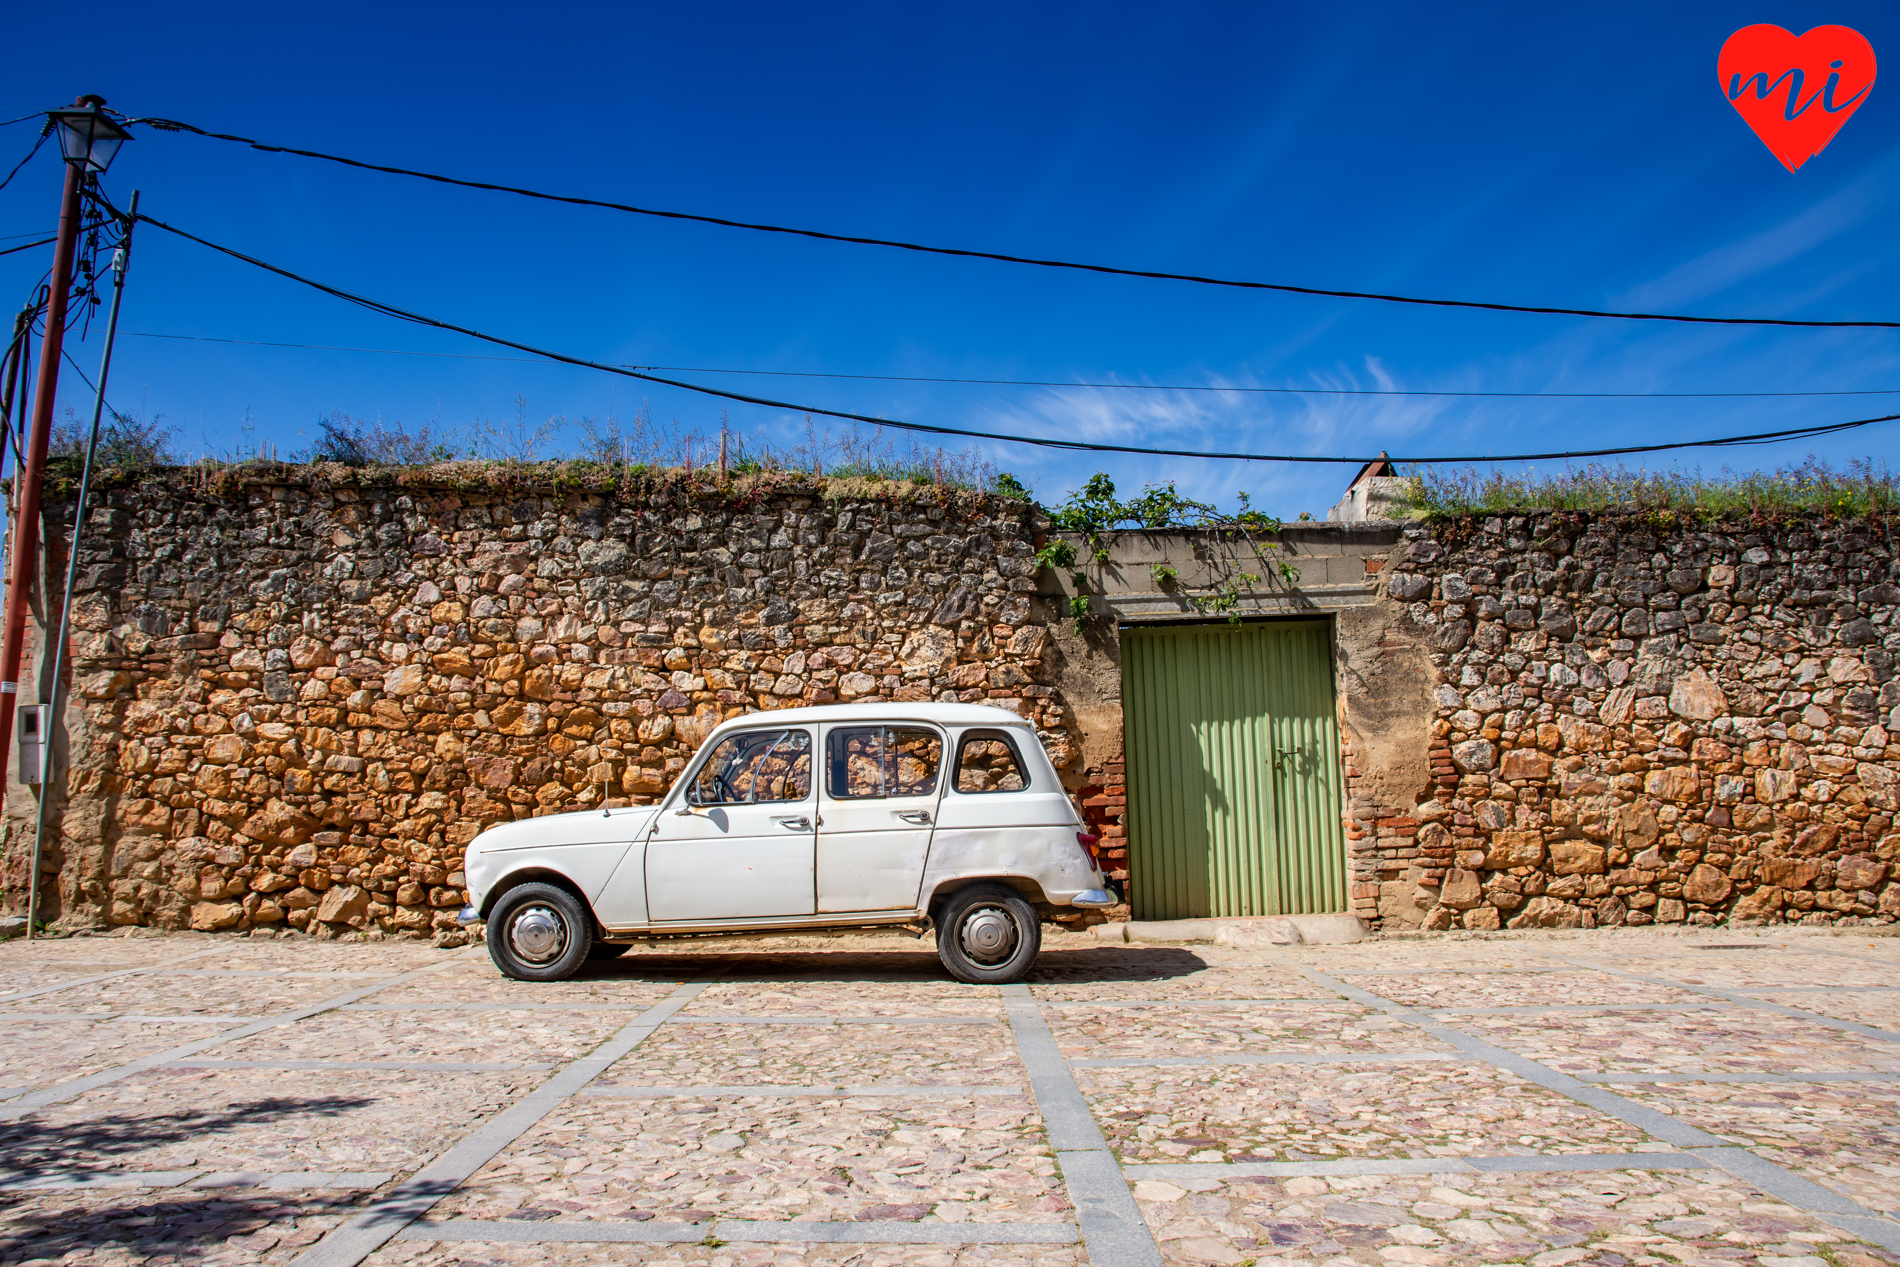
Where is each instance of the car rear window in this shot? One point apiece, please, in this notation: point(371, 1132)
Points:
point(866, 762)
point(987, 761)
point(753, 766)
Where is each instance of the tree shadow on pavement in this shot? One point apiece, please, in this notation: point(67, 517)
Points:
point(181, 1225)
point(31, 1149)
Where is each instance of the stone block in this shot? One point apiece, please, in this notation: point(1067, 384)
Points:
point(207, 917)
point(1577, 857)
point(1481, 919)
point(1461, 890)
point(1514, 849)
point(1474, 756)
point(1525, 763)
point(1678, 783)
point(1774, 786)
point(1696, 696)
point(1547, 912)
point(1706, 885)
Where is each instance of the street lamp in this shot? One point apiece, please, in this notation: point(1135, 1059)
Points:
point(87, 137)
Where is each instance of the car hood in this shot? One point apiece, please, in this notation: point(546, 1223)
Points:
point(583, 827)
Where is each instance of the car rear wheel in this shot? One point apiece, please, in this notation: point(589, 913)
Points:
point(539, 932)
point(988, 934)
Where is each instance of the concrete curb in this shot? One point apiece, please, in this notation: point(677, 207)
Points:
point(1270, 930)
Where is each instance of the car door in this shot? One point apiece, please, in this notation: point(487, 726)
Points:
point(881, 787)
point(738, 842)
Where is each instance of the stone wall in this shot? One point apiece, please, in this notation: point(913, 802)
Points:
point(1639, 722)
point(297, 696)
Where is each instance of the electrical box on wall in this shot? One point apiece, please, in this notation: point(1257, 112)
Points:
point(32, 719)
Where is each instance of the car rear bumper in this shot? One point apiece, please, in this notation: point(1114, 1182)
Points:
point(468, 915)
point(1094, 898)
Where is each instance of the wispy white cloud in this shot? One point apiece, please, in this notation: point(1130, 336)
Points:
point(1756, 253)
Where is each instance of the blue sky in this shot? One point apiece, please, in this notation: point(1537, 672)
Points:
point(1538, 154)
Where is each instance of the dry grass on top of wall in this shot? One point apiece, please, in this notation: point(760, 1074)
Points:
point(1863, 488)
point(567, 475)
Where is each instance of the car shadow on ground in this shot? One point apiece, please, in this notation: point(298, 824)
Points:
point(1067, 967)
point(32, 1149)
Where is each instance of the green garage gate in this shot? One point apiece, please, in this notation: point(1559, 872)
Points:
point(1233, 769)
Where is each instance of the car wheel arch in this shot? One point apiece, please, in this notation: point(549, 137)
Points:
point(530, 875)
point(1031, 891)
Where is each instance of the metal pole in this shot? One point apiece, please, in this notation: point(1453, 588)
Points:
point(26, 525)
point(121, 260)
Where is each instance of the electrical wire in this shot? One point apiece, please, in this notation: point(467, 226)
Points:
point(1047, 382)
point(29, 158)
point(173, 125)
point(37, 114)
point(29, 246)
point(403, 314)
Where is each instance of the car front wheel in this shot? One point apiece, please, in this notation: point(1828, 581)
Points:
point(988, 934)
point(539, 932)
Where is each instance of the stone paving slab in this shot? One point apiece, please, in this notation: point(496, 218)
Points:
point(1514, 989)
point(41, 1053)
point(540, 1035)
point(477, 982)
point(1606, 1217)
point(693, 1159)
point(1162, 973)
point(1736, 1041)
point(791, 1254)
point(172, 994)
point(1880, 1009)
point(1841, 1136)
point(844, 998)
point(1343, 1028)
point(687, 1054)
point(1346, 1110)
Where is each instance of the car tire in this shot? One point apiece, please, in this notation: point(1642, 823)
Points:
point(609, 949)
point(539, 932)
point(988, 934)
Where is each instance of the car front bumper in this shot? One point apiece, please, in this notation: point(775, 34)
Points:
point(1093, 898)
point(468, 915)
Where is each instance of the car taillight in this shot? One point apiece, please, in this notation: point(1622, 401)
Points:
point(1088, 843)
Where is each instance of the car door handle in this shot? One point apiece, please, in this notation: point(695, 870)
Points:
point(913, 815)
point(795, 824)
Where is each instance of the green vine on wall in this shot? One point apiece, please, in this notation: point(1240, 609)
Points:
point(1094, 513)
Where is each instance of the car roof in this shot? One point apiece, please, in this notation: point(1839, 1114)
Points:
point(885, 710)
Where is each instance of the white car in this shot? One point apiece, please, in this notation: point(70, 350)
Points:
point(842, 815)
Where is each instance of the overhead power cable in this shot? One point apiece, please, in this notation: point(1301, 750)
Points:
point(29, 246)
point(173, 125)
point(1043, 382)
point(29, 158)
point(403, 314)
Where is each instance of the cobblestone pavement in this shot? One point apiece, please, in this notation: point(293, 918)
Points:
point(1614, 1097)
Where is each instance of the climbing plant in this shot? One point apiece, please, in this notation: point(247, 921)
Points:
point(1095, 513)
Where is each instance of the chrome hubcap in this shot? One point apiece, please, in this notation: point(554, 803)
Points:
point(537, 934)
point(988, 934)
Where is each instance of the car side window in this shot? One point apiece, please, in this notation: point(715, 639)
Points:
point(987, 761)
point(755, 766)
point(867, 762)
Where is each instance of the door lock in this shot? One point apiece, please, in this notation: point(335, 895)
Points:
point(796, 824)
point(913, 815)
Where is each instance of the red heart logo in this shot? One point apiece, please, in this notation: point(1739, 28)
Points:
point(1796, 91)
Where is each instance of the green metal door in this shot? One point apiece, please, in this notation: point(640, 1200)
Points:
point(1233, 770)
